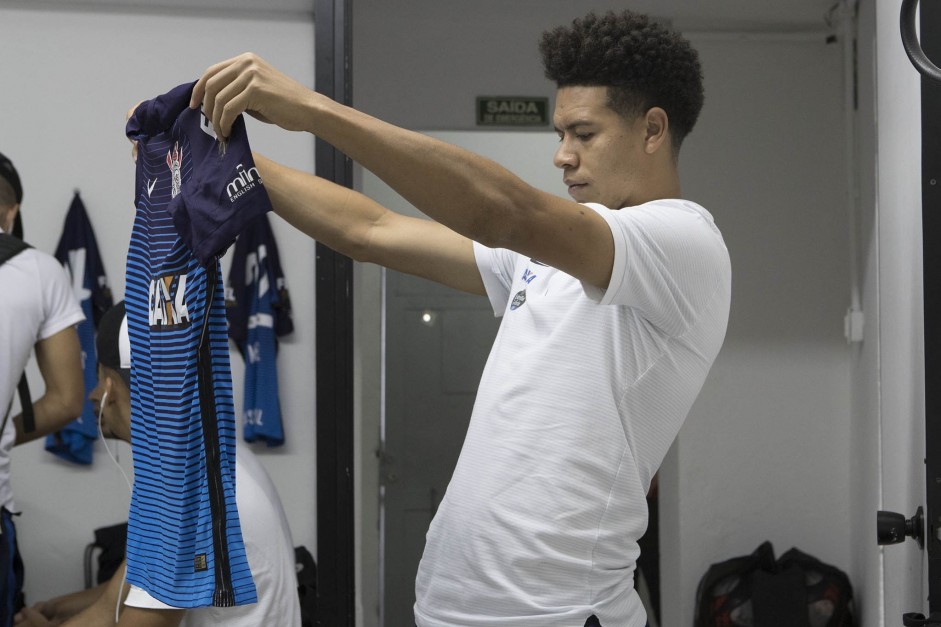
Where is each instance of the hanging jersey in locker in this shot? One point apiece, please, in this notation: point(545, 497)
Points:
point(258, 309)
point(193, 196)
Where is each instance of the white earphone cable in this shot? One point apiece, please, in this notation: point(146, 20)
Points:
point(101, 435)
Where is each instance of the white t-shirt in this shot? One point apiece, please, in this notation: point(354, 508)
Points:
point(582, 395)
point(270, 552)
point(37, 302)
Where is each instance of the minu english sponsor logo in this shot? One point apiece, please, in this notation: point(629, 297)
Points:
point(245, 182)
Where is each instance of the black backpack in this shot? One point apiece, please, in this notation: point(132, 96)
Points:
point(756, 590)
point(11, 246)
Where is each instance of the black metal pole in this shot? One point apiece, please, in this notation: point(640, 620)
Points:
point(334, 342)
point(931, 240)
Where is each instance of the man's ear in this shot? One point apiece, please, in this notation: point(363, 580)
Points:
point(9, 218)
point(658, 127)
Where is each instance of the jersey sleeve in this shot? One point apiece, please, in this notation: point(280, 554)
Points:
point(60, 307)
point(224, 194)
point(669, 259)
point(496, 267)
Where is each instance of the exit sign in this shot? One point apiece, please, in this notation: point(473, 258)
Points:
point(512, 111)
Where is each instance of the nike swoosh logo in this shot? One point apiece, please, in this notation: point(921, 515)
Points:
point(150, 187)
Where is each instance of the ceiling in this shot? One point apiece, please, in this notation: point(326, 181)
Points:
point(760, 15)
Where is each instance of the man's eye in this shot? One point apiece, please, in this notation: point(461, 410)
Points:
point(584, 136)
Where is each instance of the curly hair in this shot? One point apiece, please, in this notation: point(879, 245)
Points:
point(642, 63)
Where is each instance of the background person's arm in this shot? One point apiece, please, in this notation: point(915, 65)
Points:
point(66, 606)
point(60, 362)
point(101, 612)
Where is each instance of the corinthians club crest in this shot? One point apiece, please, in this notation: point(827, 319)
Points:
point(174, 161)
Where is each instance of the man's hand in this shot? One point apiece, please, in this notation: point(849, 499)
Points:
point(61, 608)
point(31, 617)
point(127, 116)
point(248, 84)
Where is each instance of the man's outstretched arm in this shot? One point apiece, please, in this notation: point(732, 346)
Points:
point(357, 226)
point(469, 194)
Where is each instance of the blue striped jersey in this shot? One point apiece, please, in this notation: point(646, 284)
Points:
point(194, 194)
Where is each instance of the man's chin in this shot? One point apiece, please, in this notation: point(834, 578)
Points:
point(581, 195)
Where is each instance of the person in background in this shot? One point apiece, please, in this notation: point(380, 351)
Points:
point(264, 527)
point(38, 312)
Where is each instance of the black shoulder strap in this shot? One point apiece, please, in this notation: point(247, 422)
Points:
point(10, 247)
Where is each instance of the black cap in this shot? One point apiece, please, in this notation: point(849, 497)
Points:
point(8, 173)
point(113, 343)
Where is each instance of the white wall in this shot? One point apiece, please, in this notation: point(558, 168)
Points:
point(764, 454)
point(67, 79)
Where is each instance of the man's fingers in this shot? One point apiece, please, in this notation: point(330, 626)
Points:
point(232, 85)
point(218, 84)
point(235, 99)
point(33, 618)
point(215, 79)
point(127, 117)
point(45, 608)
point(199, 90)
point(130, 112)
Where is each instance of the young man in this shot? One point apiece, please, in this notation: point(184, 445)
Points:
point(264, 525)
point(38, 311)
point(614, 307)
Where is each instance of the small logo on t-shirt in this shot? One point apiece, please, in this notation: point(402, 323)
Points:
point(245, 182)
point(518, 300)
point(199, 562)
point(167, 302)
point(174, 162)
point(528, 276)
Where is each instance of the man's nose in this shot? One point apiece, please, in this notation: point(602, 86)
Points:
point(565, 157)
